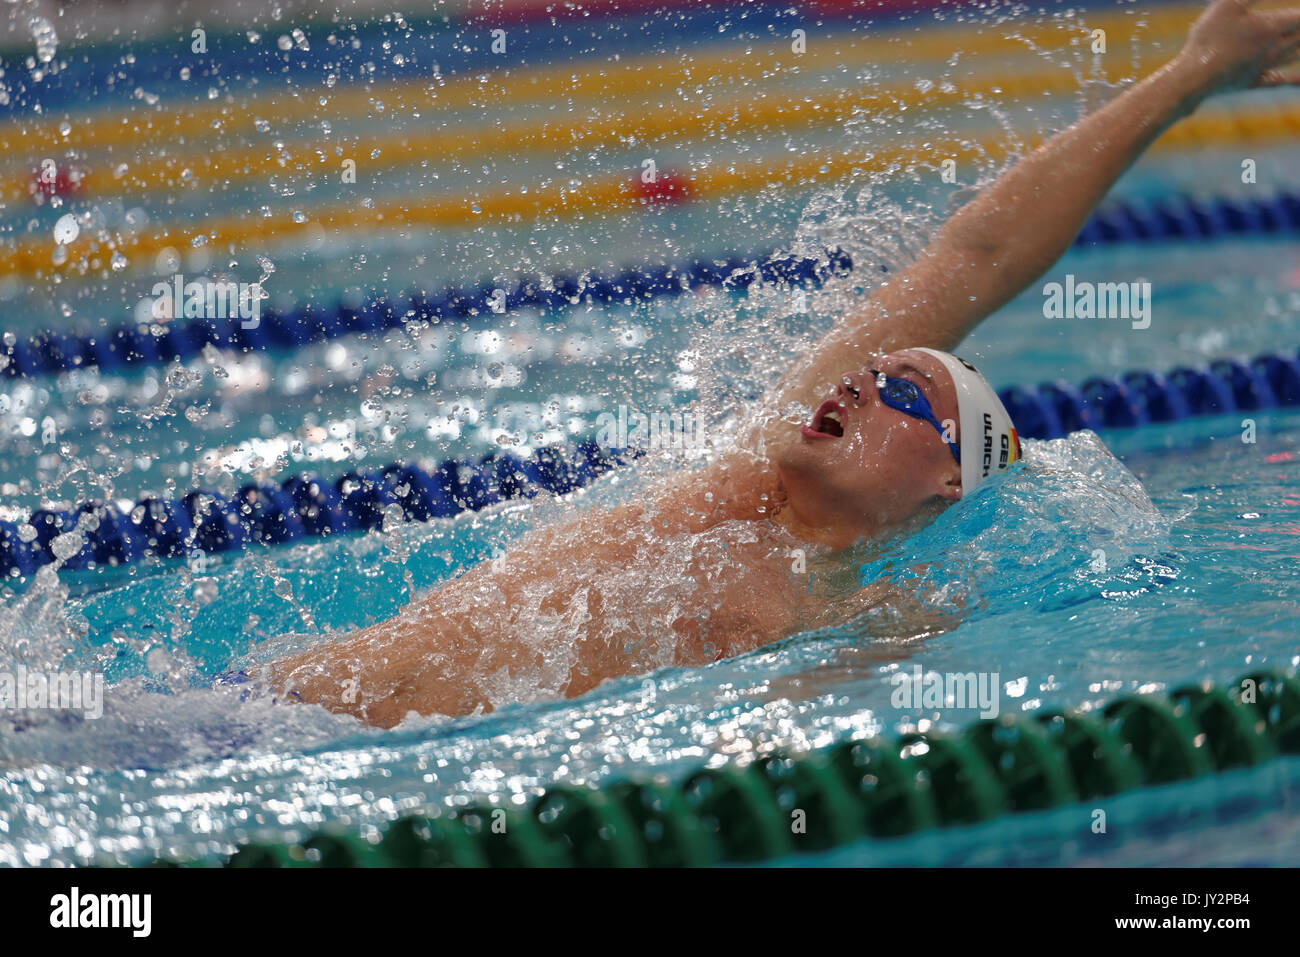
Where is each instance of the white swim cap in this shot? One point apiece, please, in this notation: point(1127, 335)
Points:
point(989, 443)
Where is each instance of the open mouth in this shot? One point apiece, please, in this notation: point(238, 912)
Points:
point(827, 421)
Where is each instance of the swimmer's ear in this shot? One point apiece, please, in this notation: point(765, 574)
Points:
point(950, 491)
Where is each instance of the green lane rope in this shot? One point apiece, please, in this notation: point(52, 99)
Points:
point(786, 803)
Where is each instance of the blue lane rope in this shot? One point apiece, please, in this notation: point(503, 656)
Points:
point(307, 506)
point(130, 345)
point(300, 507)
point(1187, 218)
point(1135, 399)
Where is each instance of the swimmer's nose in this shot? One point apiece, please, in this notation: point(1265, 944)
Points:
point(856, 387)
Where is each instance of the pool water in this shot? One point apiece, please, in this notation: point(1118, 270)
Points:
point(1197, 530)
point(1130, 562)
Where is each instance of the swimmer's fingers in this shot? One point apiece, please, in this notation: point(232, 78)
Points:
point(1281, 68)
point(1280, 77)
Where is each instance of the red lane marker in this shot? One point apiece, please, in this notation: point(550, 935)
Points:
point(65, 181)
point(667, 188)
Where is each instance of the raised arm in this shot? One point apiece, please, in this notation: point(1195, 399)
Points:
point(1015, 228)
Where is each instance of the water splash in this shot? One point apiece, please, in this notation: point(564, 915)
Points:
point(47, 41)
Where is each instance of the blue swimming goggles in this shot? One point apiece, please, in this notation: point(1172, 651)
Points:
point(907, 398)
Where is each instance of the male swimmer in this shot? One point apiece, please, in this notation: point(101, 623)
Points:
point(699, 570)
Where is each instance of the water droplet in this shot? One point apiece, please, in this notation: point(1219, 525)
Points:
point(167, 261)
point(66, 229)
point(157, 661)
point(47, 41)
point(66, 545)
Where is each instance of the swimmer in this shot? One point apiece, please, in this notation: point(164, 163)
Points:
point(900, 429)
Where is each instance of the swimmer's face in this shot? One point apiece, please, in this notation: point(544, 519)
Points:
point(860, 466)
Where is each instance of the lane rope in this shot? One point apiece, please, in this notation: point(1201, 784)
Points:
point(307, 506)
point(130, 345)
point(850, 792)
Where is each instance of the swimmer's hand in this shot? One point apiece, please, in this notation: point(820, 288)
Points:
point(1235, 46)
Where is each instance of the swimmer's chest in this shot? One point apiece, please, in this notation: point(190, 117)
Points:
point(751, 590)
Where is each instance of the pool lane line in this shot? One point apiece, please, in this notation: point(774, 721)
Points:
point(602, 195)
point(307, 506)
point(384, 53)
point(305, 160)
point(127, 345)
point(853, 792)
point(151, 126)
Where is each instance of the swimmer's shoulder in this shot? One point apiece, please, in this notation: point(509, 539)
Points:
point(734, 485)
